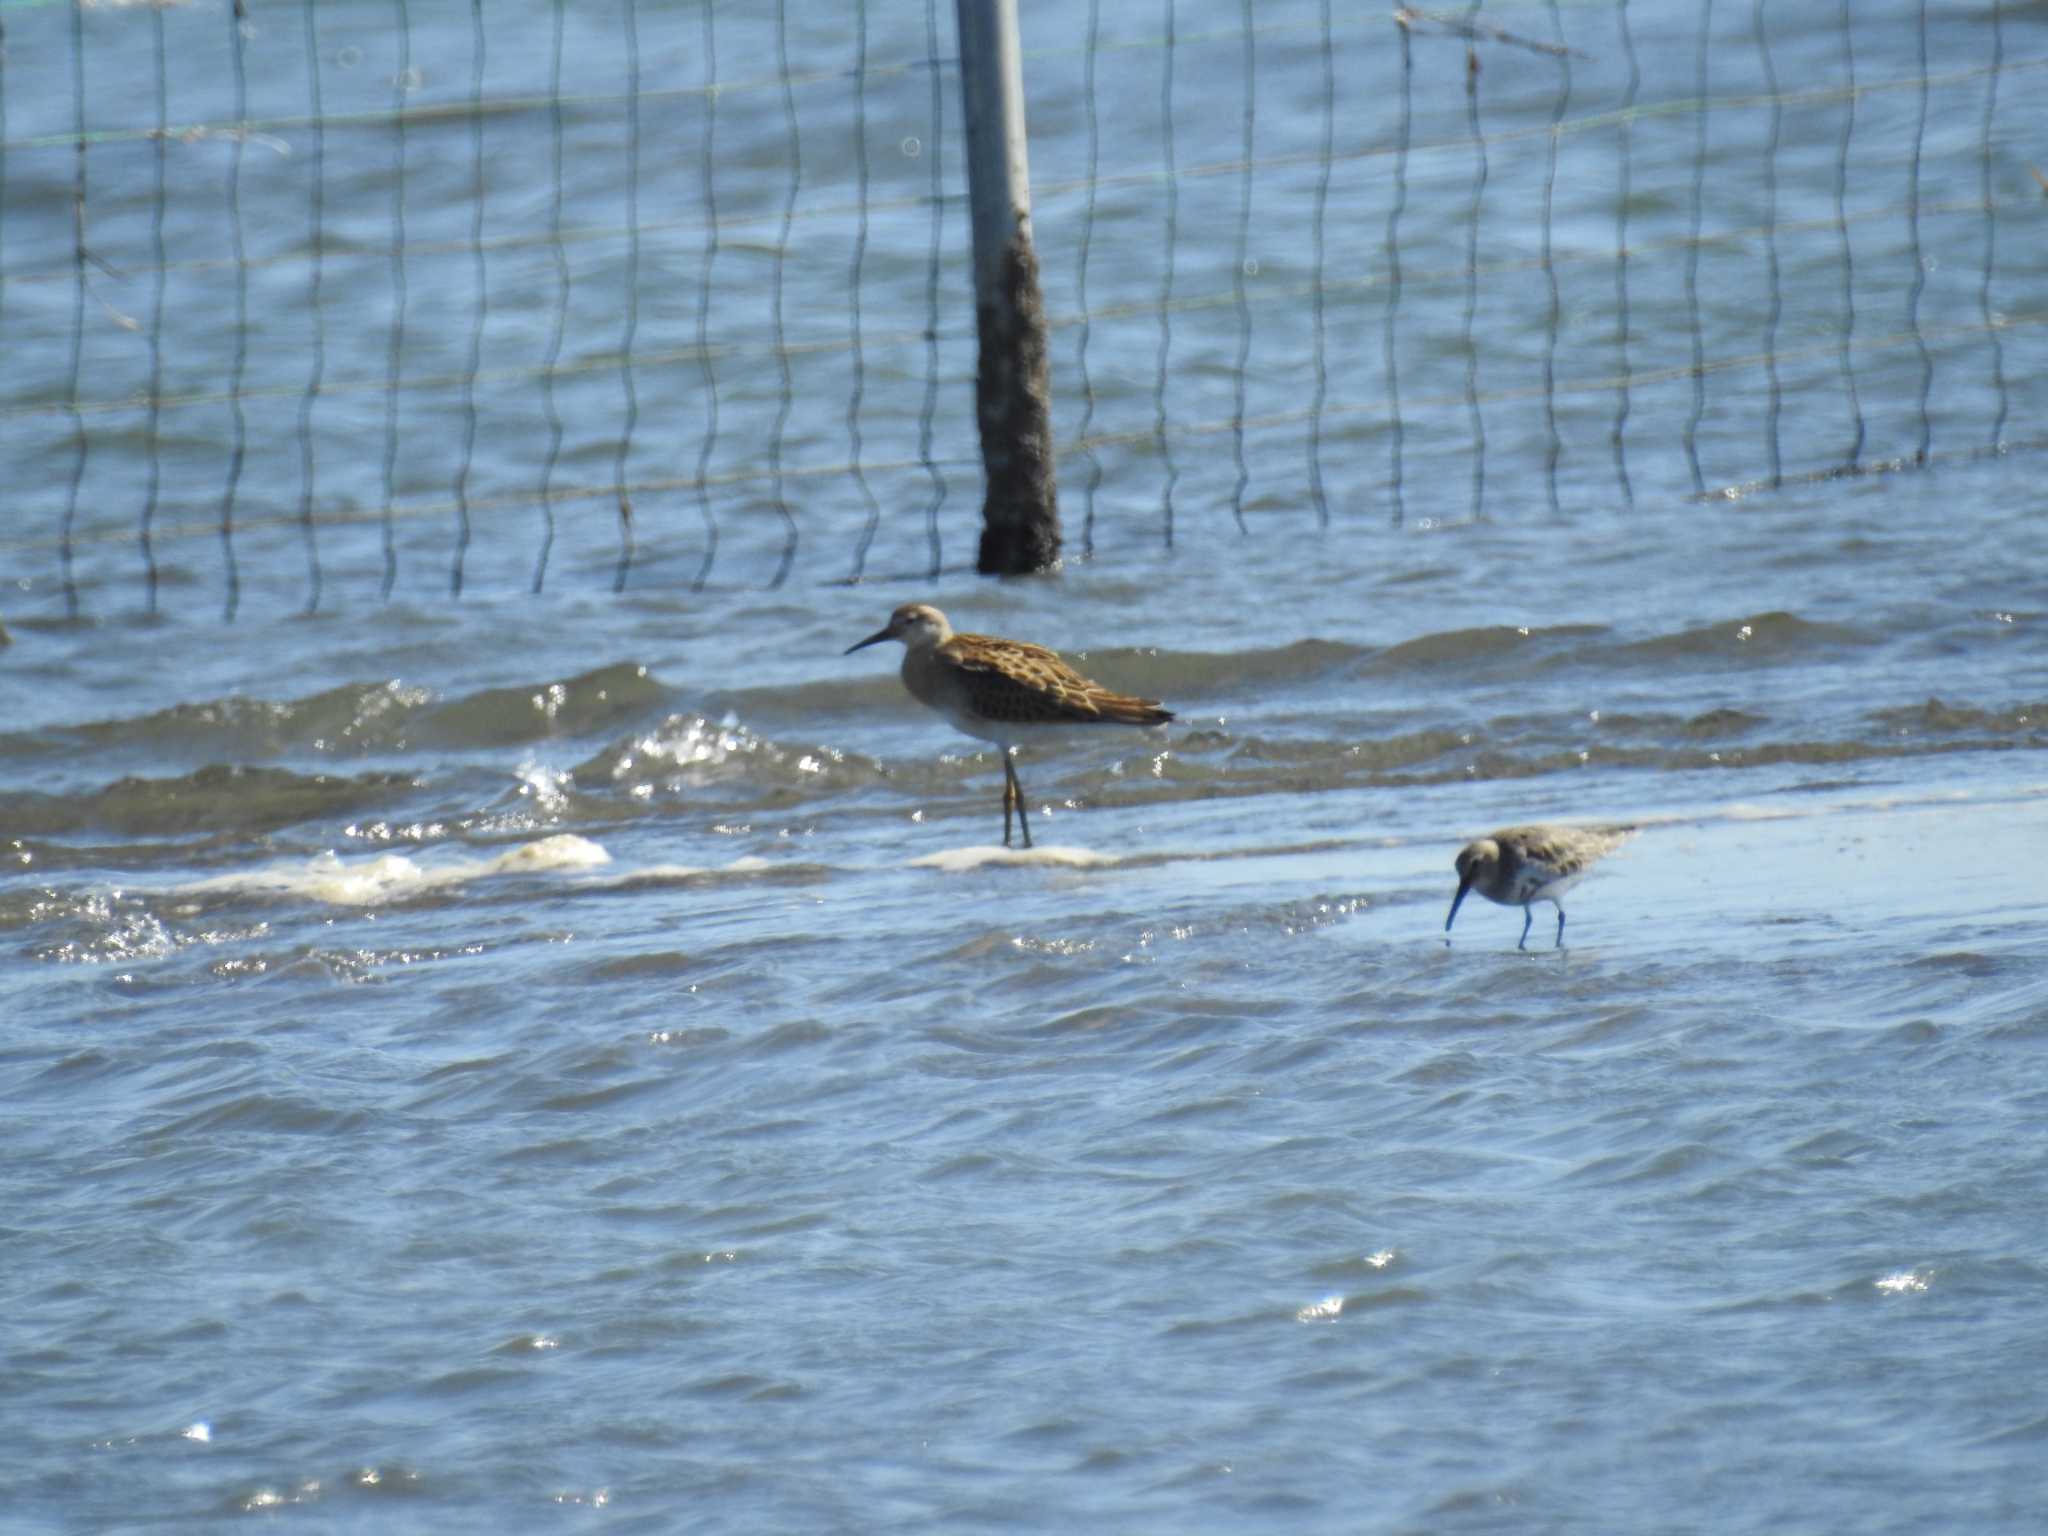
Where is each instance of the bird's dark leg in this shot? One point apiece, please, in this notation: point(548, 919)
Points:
point(1017, 789)
point(1527, 914)
point(1560, 924)
point(1009, 793)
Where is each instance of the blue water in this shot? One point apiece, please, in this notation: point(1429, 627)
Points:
point(523, 1062)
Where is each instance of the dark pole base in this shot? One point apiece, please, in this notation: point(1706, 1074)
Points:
point(1013, 405)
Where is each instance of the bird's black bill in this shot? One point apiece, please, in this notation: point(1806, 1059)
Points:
point(875, 639)
point(1456, 902)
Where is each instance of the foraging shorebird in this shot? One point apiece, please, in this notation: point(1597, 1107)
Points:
point(1520, 866)
point(1003, 691)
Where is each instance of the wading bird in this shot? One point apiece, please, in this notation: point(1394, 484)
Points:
point(1519, 866)
point(1002, 691)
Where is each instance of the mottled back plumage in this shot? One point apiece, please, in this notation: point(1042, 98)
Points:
point(1011, 682)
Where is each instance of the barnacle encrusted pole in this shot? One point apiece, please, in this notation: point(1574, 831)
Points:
point(1020, 518)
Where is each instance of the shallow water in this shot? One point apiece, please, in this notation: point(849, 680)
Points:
point(606, 1070)
point(466, 1064)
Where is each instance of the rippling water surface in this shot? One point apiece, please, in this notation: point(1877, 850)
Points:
point(532, 1063)
point(477, 1057)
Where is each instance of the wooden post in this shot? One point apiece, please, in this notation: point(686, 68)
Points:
point(1020, 520)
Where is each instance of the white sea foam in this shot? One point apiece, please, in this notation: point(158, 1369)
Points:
point(391, 877)
point(954, 860)
point(1746, 811)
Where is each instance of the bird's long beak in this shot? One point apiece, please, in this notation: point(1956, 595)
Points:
point(879, 635)
point(1456, 902)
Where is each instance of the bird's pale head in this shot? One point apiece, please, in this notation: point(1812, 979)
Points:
point(1477, 860)
point(917, 625)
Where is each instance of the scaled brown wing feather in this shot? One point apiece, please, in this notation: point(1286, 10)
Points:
point(1012, 680)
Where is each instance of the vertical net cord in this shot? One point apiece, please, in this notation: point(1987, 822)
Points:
point(872, 520)
point(401, 83)
point(1913, 242)
point(3, 172)
point(1554, 448)
point(1316, 260)
point(1775, 398)
point(706, 166)
point(1473, 414)
point(1166, 283)
point(1244, 235)
point(158, 278)
point(1848, 331)
point(78, 258)
point(561, 323)
point(1618, 434)
point(293, 514)
point(3, 175)
point(629, 326)
point(1090, 49)
point(937, 199)
point(1392, 311)
point(238, 441)
point(480, 312)
point(1996, 442)
point(794, 139)
point(1691, 435)
point(317, 367)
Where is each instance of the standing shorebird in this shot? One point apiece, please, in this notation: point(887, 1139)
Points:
point(1003, 691)
point(1520, 866)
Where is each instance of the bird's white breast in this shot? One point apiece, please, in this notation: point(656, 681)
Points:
point(1541, 882)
